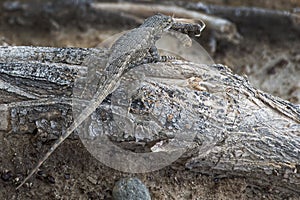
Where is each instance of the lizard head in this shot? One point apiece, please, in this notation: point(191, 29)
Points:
point(158, 21)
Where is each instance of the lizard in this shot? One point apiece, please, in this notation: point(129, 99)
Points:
point(135, 47)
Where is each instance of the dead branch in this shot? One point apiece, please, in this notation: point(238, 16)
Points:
point(222, 27)
point(239, 131)
point(252, 16)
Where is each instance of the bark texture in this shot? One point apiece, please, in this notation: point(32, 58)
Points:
point(238, 131)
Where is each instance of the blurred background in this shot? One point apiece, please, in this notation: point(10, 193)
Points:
point(260, 39)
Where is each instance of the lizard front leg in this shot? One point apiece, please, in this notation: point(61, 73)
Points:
point(155, 57)
point(152, 57)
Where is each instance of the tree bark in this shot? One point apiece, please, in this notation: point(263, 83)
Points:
point(239, 131)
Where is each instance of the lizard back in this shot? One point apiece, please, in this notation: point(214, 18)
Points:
point(131, 47)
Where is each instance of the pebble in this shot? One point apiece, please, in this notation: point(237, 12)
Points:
point(130, 188)
point(92, 180)
point(6, 175)
point(67, 176)
point(51, 179)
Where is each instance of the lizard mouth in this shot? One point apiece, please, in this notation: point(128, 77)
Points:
point(169, 26)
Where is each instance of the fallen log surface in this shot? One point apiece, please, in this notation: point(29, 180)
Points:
point(239, 131)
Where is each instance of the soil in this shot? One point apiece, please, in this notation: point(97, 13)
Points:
point(272, 65)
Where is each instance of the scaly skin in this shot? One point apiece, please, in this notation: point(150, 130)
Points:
point(131, 48)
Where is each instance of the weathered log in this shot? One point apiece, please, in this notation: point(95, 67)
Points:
point(239, 131)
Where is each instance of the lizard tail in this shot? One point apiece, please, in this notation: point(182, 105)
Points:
point(50, 151)
point(86, 112)
point(40, 163)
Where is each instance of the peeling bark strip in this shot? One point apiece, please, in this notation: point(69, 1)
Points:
point(241, 131)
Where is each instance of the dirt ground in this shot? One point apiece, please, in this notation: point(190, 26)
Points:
point(272, 65)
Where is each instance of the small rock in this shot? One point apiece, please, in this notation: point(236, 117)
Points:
point(92, 180)
point(51, 179)
point(67, 176)
point(6, 175)
point(130, 188)
point(41, 174)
